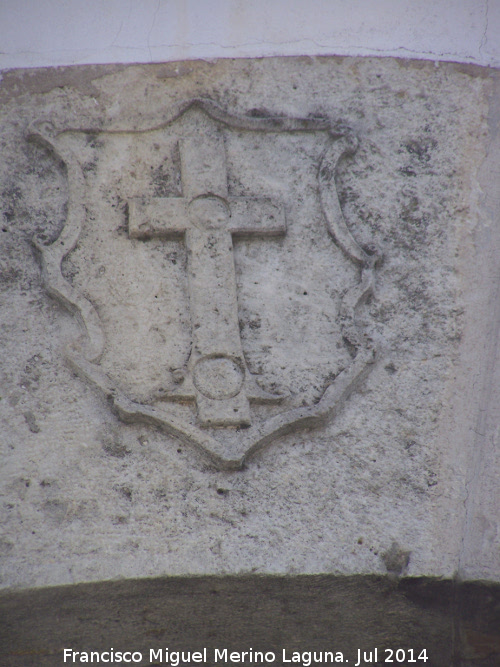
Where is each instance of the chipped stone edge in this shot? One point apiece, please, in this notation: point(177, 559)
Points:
point(84, 358)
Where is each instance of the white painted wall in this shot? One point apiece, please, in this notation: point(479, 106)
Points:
point(39, 33)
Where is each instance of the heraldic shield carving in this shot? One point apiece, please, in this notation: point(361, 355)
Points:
point(212, 274)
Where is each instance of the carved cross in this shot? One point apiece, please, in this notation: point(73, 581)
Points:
point(218, 378)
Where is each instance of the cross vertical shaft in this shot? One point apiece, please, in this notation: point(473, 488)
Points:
point(217, 363)
point(217, 377)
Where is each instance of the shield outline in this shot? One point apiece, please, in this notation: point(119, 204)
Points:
point(84, 359)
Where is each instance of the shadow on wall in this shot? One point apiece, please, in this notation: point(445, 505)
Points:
point(456, 623)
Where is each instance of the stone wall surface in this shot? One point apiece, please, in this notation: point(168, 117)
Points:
point(249, 320)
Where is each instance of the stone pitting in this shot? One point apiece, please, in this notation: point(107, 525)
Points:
point(217, 379)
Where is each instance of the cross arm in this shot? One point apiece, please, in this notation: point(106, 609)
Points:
point(161, 216)
point(256, 216)
point(169, 216)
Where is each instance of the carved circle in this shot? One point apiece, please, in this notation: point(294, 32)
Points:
point(218, 377)
point(209, 212)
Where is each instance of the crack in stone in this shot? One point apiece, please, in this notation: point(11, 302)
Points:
point(151, 29)
point(118, 33)
point(484, 38)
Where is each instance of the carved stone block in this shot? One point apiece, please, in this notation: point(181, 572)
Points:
point(241, 319)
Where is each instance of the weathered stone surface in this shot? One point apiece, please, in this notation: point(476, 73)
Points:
point(249, 320)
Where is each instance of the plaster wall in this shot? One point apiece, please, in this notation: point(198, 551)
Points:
point(52, 32)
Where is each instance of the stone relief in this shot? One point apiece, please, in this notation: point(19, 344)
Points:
point(147, 263)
